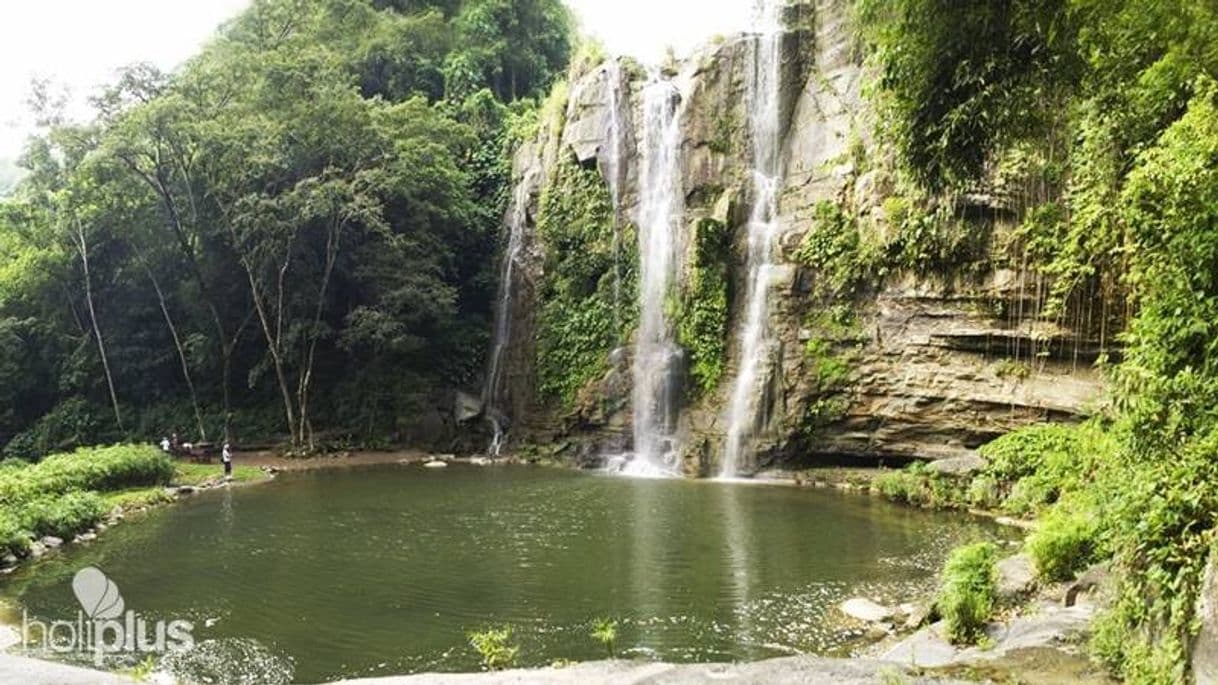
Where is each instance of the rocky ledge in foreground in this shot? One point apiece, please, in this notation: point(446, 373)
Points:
point(796, 669)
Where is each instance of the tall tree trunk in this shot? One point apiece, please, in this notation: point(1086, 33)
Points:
point(160, 186)
point(306, 367)
point(273, 334)
point(177, 344)
point(82, 248)
point(230, 346)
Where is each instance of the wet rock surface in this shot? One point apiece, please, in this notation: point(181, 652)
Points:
point(937, 363)
point(1016, 578)
point(1205, 645)
point(1050, 626)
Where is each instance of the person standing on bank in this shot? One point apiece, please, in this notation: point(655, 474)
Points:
point(226, 456)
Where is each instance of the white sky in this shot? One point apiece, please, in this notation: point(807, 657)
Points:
point(81, 43)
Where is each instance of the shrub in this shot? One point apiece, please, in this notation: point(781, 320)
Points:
point(1039, 463)
point(900, 486)
point(983, 492)
point(1022, 452)
point(967, 595)
point(13, 538)
point(918, 485)
point(495, 647)
point(62, 515)
point(93, 468)
point(1065, 542)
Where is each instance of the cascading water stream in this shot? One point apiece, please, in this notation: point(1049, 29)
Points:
point(492, 393)
point(614, 172)
point(764, 93)
point(657, 357)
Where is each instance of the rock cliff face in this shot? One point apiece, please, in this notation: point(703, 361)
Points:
point(931, 363)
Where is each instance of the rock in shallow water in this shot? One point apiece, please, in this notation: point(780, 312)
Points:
point(865, 610)
point(435, 464)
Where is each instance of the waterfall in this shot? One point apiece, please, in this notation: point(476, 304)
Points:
point(492, 393)
point(764, 93)
point(657, 357)
point(613, 172)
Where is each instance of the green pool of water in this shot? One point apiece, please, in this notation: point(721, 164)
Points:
point(377, 571)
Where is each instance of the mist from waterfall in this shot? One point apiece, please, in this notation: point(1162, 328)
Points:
point(492, 393)
point(764, 94)
point(657, 357)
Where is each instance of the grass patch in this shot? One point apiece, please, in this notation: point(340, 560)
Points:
point(134, 498)
point(968, 593)
point(189, 473)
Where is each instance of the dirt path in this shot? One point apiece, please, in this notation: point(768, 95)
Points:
point(328, 461)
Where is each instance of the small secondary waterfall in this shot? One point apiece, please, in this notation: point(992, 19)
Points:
point(764, 94)
point(492, 393)
point(614, 171)
point(657, 357)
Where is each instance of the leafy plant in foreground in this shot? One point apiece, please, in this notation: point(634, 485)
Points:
point(604, 631)
point(495, 647)
point(967, 595)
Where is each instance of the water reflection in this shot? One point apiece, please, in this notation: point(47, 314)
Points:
point(382, 571)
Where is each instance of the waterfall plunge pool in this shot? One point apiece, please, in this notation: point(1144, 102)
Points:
point(373, 571)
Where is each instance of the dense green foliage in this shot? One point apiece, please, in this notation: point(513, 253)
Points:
point(702, 320)
point(832, 247)
point(296, 229)
point(580, 319)
point(968, 591)
point(1098, 119)
point(59, 495)
point(94, 468)
point(1066, 540)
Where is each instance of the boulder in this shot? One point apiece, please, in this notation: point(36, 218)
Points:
point(51, 542)
point(927, 648)
point(37, 549)
point(1088, 581)
point(435, 464)
point(915, 615)
point(466, 407)
point(619, 358)
point(966, 465)
point(1016, 577)
point(864, 609)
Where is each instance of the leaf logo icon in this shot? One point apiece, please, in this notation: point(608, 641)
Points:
point(97, 594)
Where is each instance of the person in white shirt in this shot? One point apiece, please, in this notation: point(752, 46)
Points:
point(165, 445)
point(226, 456)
